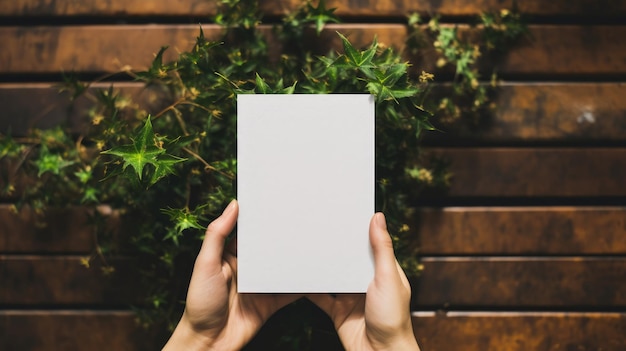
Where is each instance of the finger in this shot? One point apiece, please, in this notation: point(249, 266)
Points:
point(210, 256)
point(382, 247)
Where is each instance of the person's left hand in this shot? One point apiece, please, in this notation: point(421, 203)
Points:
point(216, 317)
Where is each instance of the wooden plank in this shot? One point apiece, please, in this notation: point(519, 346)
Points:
point(549, 50)
point(446, 281)
point(546, 50)
point(92, 48)
point(533, 172)
point(519, 230)
point(519, 331)
point(525, 112)
point(74, 330)
point(531, 112)
point(561, 50)
point(59, 230)
point(345, 8)
point(524, 282)
point(454, 331)
point(63, 280)
point(108, 8)
point(401, 8)
point(523, 172)
point(41, 105)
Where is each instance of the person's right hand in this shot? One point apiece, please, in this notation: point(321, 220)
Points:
point(216, 316)
point(380, 319)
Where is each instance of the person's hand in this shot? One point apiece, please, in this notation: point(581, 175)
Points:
point(380, 319)
point(216, 317)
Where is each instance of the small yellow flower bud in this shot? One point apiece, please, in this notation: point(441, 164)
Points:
point(425, 77)
point(97, 119)
point(474, 83)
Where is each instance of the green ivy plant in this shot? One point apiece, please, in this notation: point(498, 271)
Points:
point(165, 173)
point(461, 52)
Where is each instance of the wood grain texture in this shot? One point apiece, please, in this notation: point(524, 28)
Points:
point(72, 330)
point(525, 112)
point(519, 230)
point(456, 331)
point(42, 105)
point(476, 259)
point(59, 230)
point(63, 280)
point(92, 48)
point(548, 50)
point(401, 8)
point(445, 231)
point(446, 281)
point(346, 8)
point(510, 331)
point(524, 282)
point(107, 8)
point(527, 172)
point(561, 50)
point(545, 112)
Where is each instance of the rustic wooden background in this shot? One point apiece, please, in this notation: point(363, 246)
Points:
point(527, 252)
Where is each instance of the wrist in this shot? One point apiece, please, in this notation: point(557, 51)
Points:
point(408, 343)
point(185, 337)
point(403, 340)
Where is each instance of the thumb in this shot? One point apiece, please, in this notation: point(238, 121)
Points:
point(210, 256)
point(382, 247)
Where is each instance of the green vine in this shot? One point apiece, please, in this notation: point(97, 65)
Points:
point(462, 51)
point(166, 172)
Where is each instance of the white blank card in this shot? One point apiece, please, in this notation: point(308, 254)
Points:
point(305, 169)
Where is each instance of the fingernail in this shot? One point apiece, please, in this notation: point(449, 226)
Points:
point(381, 221)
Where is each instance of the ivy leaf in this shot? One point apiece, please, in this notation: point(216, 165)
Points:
point(50, 162)
point(164, 166)
point(84, 175)
point(141, 152)
point(358, 58)
point(422, 120)
point(394, 72)
point(290, 89)
point(320, 15)
point(264, 88)
point(157, 69)
point(183, 219)
point(90, 195)
point(261, 86)
point(144, 151)
point(181, 141)
point(414, 19)
point(73, 85)
point(383, 92)
point(387, 75)
point(9, 147)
